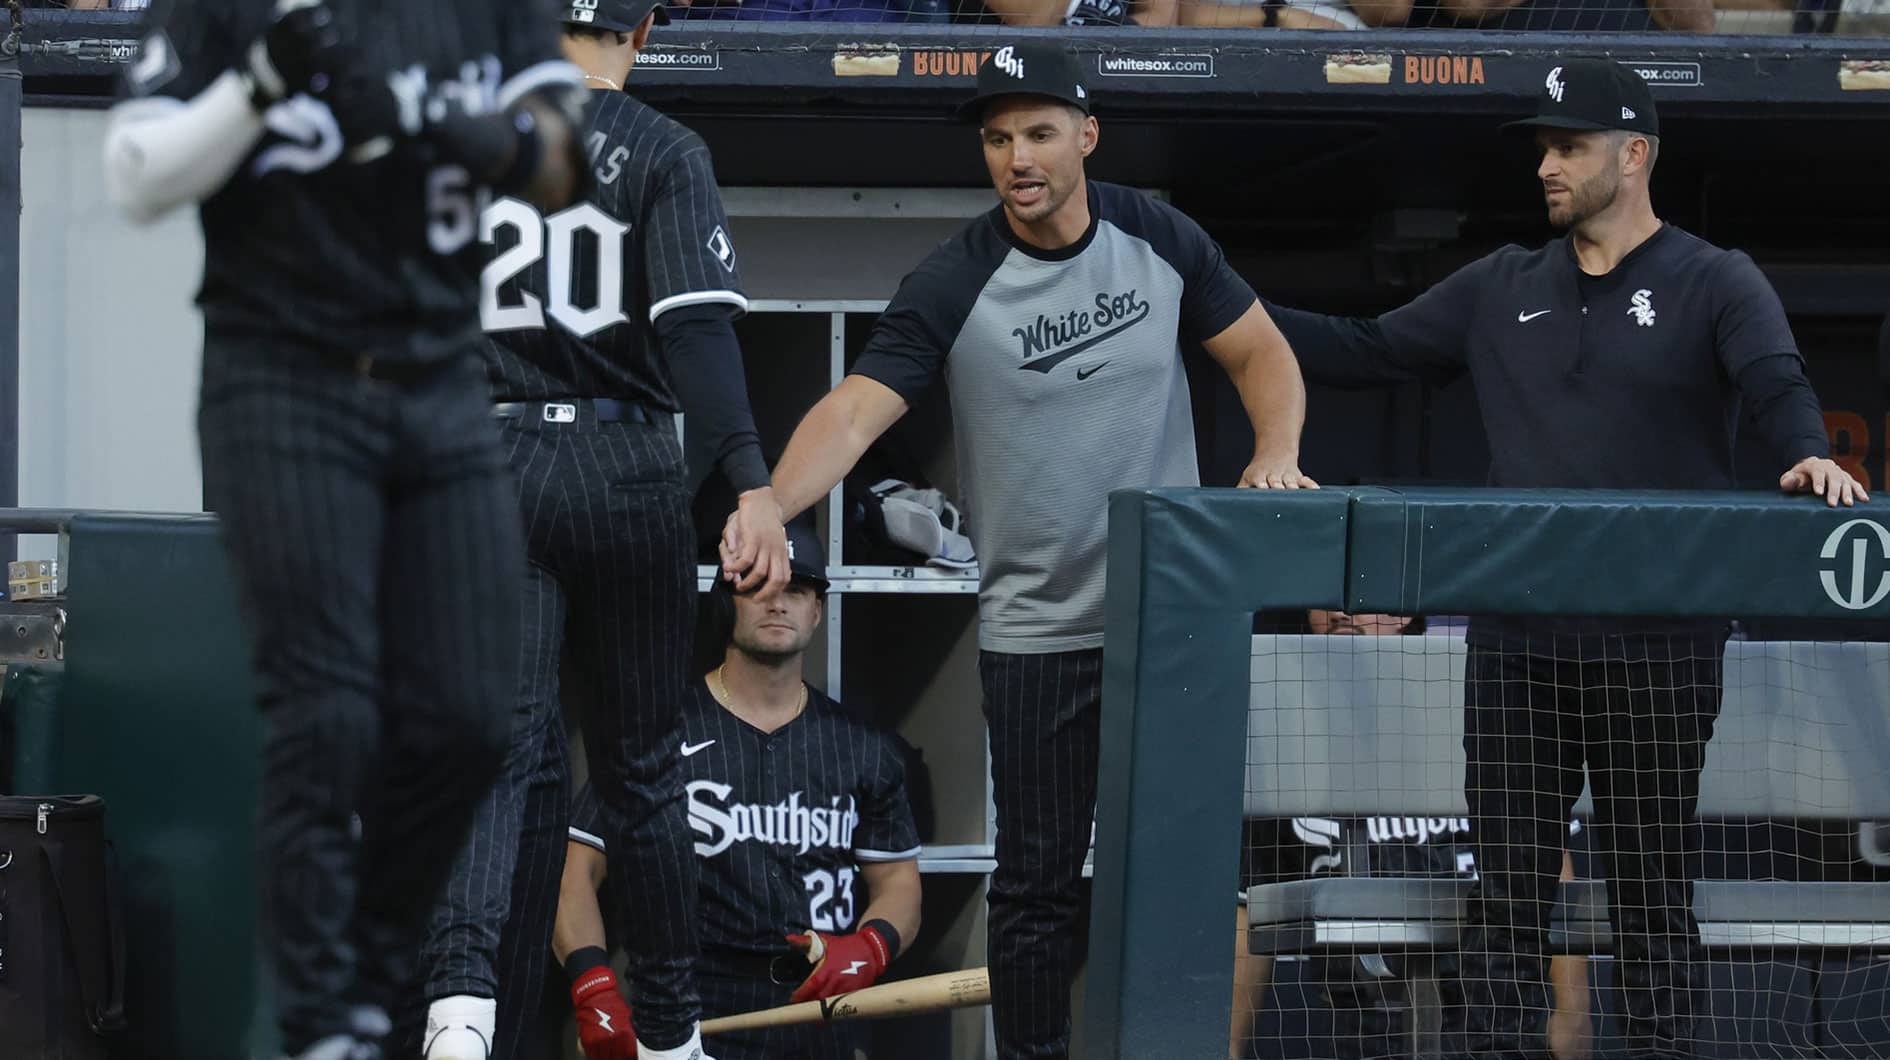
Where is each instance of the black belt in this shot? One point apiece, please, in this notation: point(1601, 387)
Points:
point(781, 969)
point(603, 410)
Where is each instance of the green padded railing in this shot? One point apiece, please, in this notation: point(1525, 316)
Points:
point(1187, 569)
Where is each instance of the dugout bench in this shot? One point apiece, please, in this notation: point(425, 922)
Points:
point(1365, 726)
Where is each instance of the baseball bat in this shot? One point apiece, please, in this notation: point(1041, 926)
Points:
point(903, 997)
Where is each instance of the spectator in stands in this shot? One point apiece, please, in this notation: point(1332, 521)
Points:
point(1571, 16)
point(1085, 12)
point(1296, 14)
point(1370, 994)
point(901, 11)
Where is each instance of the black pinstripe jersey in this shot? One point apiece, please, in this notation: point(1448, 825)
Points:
point(782, 820)
point(377, 258)
point(571, 300)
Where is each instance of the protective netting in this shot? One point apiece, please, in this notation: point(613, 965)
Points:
point(1836, 17)
point(1427, 882)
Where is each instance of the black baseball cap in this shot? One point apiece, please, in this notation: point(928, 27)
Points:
point(807, 561)
point(1029, 69)
point(1594, 94)
point(622, 16)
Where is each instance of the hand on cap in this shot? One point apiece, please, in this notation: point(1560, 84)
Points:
point(754, 545)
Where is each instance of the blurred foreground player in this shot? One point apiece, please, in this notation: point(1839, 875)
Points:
point(340, 152)
point(606, 319)
point(1619, 357)
point(795, 803)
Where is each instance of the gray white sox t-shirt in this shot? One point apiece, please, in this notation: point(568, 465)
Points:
point(1066, 382)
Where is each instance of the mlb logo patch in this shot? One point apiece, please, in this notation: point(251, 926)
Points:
point(723, 250)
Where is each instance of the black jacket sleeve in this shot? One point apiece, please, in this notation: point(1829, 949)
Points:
point(705, 366)
point(1426, 339)
point(1755, 344)
point(1785, 408)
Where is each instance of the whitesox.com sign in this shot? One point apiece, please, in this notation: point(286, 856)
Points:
point(1155, 65)
point(669, 57)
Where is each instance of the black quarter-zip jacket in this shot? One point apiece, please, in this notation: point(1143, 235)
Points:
point(1632, 380)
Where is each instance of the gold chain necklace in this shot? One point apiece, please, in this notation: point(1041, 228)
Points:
point(604, 81)
point(718, 687)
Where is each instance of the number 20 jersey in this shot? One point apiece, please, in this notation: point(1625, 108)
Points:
point(571, 300)
point(782, 821)
point(302, 243)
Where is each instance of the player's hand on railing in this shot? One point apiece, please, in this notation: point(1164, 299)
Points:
point(754, 545)
point(1824, 478)
point(603, 1017)
point(842, 963)
point(1276, 472)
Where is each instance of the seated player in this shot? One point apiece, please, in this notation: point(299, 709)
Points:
point(793, 800)
point(1369, 994)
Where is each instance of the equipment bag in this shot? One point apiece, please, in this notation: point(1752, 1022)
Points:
point(62, 937)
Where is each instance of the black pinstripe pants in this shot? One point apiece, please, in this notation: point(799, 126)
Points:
point(370, 525)
point(612, 581)
point(1045, 717)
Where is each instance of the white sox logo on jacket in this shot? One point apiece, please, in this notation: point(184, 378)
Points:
point(785, 824)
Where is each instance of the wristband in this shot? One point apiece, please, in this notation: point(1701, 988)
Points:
point(887, 933)
point(583, 960)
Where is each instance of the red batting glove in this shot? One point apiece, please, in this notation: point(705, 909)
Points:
point(852, 962)
point(603, 1019)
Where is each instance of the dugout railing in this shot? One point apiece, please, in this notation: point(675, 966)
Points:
point(1188, 569)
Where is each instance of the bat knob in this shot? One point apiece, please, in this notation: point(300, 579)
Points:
point(817, 948)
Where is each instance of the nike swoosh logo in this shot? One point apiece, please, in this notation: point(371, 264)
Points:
point(691, 748)
point(1085, 373)
point(1524, 318)
point(1045, 363)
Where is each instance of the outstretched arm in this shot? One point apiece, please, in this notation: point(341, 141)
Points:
point(829, 441)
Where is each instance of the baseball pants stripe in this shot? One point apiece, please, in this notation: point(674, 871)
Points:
point(1044, 713)
point(370, 527)
point(612, 584)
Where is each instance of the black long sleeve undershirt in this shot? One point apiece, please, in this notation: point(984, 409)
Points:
point(705, 366)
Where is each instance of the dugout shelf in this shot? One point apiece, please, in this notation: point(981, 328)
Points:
point(1339, 914)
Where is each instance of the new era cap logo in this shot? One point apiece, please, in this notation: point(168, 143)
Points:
point(1626, 114)
point(1006, 60)
point(1080, 94)
point(1554, 84)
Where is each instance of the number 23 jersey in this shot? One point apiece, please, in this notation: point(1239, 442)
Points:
point(783, 820)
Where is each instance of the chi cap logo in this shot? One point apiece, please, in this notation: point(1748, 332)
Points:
point(1006, 60)
point(1554, 84)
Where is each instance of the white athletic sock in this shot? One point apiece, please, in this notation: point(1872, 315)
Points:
point(689, 1050)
